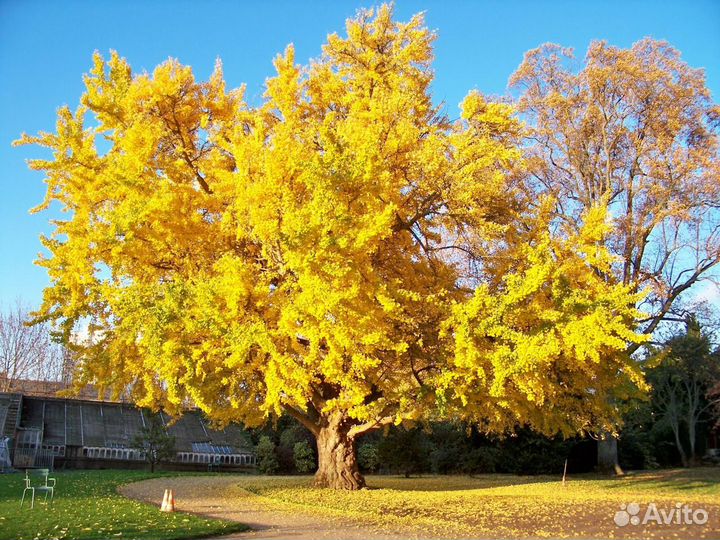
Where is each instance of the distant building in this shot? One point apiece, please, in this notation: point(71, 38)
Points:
point(32, 387)
point(43, 431)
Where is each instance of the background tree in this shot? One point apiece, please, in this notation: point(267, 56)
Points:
point(643, 440)
point(303, 457)
point(26, 351)
point(267, 461)
point(405, 451)
point(713, 396)
point(369, 456)
point(342, 253)
point(291, 433)
point(634, 129)
point(153, 440)
point(682, 375)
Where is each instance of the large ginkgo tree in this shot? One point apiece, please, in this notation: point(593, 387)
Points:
point(342, 252)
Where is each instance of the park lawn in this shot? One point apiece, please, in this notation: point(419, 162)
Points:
point(505, 506)
point(88, 506)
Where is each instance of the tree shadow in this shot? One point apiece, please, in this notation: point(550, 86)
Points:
point(668, 479)
point(453, 482)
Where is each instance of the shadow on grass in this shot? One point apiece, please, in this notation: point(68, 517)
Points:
point(454, 483)
point(699, 479)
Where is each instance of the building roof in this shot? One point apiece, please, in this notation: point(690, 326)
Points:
point(32, 387)
point(79, 422)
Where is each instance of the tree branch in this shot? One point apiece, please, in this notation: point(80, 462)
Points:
point(302, 417)
point(371, 425)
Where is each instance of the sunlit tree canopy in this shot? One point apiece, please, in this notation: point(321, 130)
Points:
point(343, 252)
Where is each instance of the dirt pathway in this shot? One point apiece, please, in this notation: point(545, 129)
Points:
point(223, 497)
point(220, 497)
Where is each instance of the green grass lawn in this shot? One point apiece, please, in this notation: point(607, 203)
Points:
point(87, 506)
point(506, 506)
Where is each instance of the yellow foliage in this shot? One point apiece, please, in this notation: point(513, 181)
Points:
point(341, 249)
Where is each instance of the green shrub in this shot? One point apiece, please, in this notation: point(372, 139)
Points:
point(369, 457)
point(266, 457)
point(304, 457)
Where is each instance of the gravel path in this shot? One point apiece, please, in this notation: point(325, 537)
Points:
point(221, 497)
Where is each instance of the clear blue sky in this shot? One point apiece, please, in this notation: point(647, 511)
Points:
point(45, 47)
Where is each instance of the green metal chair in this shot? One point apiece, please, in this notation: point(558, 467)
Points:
point(44, 484)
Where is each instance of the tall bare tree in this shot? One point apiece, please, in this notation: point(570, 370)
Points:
point(634, 129)
point(26, 351)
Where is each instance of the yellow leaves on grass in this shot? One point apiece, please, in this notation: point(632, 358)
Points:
point(501, 506)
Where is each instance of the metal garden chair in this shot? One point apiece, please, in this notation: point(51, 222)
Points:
point(44, 484)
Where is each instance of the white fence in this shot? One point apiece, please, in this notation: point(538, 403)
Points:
point(208, 458)
point(216, 459)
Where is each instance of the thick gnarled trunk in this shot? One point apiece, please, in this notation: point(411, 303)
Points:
point(337, 458)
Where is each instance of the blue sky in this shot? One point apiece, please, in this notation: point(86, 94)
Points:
point(45, 47)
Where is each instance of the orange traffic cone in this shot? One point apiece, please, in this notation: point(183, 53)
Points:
point(166, 500)
point(171, 502)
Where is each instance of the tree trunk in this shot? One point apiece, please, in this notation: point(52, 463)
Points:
point(676, 431)
point(692, 435)
point(607, 455)
point(693, 405)
point(337, 457)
